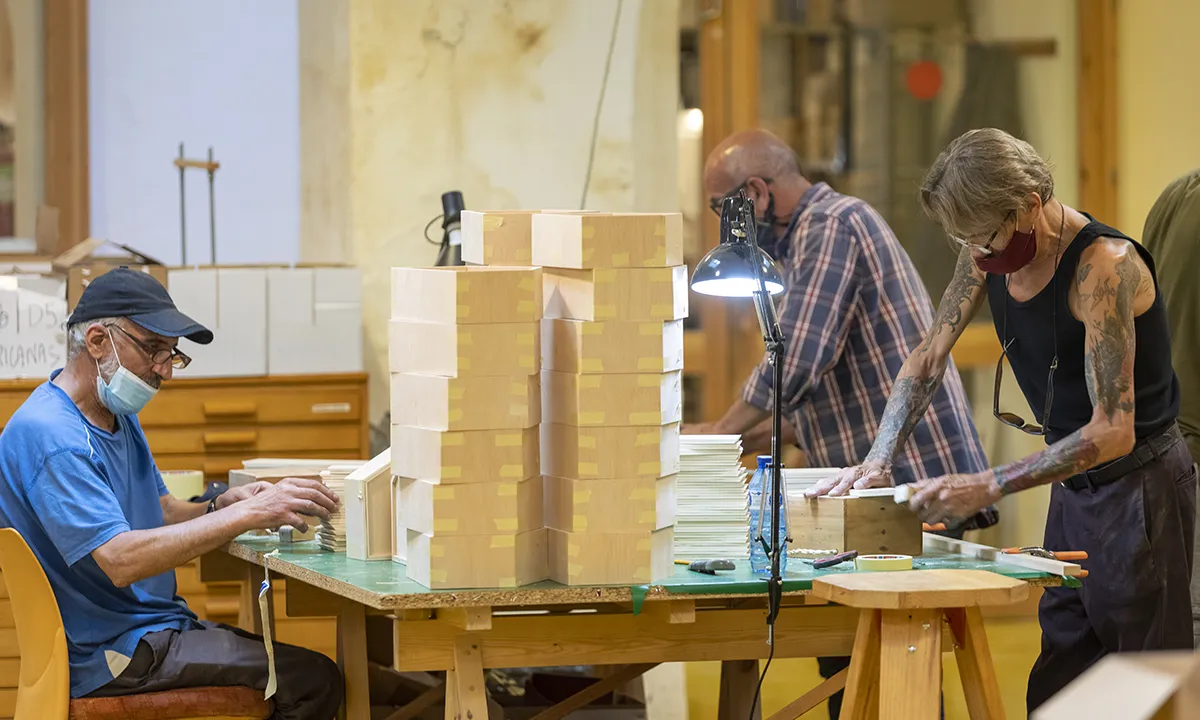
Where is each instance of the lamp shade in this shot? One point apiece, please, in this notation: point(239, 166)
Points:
point(727, 271)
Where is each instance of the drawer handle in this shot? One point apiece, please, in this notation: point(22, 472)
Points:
point(230, 409)
point(220, 439)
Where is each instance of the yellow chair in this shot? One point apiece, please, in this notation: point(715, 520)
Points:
point(43, 691)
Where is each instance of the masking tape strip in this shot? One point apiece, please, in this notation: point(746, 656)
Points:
point(650, 329)
point(453, 439)
point(643, 493)
point(597, 418)
point(525, 339)
point(663, 311)
point(591, 328)
point(525, 283)
point(589, 382)
point(512, 471)
point(263, 608)
point(649, 468)
point(439, 576)
point(646, 439)
point(587, 441)
point(524, 306)
point(456, 391)
point(579, 523)
point(506, 489)
point(451, 472)
point(606, 312)
point(589, 468)
point(445, 525)
point(645, 418)
point(507, 581)
point(443, 492)
point(620, 259)
point(650, 364)
point(591, 365)
point(648, 517)
point(464, 362)
point(506, 524)
point(649, 380)
point(508, 439)
point(503, 541)
point(436, 550)
point(876, 563)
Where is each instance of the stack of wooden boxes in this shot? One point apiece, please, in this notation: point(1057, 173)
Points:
point(615, 292)
point(465, 358)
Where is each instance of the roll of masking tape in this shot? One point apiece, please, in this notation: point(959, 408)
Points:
point(184, 484)
point(876, 563)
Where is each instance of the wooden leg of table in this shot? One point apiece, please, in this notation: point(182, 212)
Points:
point(812, 698)
point(249, 617)
point(739, 678)
point(861, 701)
point(352, 659)
point(466, 681)
point(910, 657)
point(980, 686)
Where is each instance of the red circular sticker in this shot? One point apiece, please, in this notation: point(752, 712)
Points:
point(924, 79)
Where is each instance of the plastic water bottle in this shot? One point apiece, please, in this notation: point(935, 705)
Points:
point(760, 484)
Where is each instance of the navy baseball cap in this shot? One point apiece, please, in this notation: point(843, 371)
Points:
point(136, 295)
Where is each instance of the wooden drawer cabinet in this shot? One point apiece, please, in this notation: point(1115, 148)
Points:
point(261, 439)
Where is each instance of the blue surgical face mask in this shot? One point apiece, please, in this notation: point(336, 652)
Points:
point(125, 393)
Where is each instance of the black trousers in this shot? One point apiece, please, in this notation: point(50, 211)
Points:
point(1138, 532)
point(309, 685)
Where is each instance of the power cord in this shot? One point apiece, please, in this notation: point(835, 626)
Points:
point(612, 44)
point(758, 690)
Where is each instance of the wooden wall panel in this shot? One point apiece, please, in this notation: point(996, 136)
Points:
point(65, 54)
point(1097, 123)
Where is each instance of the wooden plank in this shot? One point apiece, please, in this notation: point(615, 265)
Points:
point(991, 554)
point(739, 678)
point(920, 589)
point(1097, 98)
point(594, 692)
point(813, 698)
point(65, 57)
point(352, 659)
point(910, 663)
point(419, 704)
point(469, 619)
point(621, 639)
point(861, 701)
point(975, 667)
point(304, 600)
point(468, 683)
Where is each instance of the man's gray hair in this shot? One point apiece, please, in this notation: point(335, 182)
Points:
point(981, 177)
point(77, 334)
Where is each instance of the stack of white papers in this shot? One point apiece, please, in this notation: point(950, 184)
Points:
point(332, 533)
point(710, 520)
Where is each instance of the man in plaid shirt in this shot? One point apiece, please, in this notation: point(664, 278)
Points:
point(853, 309)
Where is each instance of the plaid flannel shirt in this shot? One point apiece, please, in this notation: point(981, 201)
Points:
point(853, 310)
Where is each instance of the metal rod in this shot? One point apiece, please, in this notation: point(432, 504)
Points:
point(182, 211)
point(212, 207)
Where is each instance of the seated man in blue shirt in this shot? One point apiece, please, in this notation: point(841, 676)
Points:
point(78, 482)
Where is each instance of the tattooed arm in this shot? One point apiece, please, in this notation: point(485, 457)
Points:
point(916, 383)
point(1109, 293)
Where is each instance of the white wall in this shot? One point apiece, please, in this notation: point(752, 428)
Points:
point(223, 73)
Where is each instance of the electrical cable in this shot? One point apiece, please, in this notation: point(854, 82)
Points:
point(612, 44)
point(758, 690)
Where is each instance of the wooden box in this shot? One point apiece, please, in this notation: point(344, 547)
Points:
point(579, 346)
point(464, 457)
point(628, 558)
point(497, 238)
point(605, 506)
point(610, 452)
point(447, 562)
point(604, 240)
point(506, 506)
point(870, 525)
point(591, 400)
point(467, 295)
point(426, 348)
point(467, 403)
point(368, 509)
point(627, 294)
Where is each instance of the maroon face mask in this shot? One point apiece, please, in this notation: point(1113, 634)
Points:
point(1016, 254)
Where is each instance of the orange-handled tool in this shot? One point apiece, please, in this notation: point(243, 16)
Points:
point(926, 527)
point(1063, 555)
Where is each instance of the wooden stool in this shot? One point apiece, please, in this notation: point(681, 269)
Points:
point(896, 664)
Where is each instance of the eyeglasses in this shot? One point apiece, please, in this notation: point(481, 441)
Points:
point(160, 356)
point(1012, 419)
point(715, 204)
point(986, 248)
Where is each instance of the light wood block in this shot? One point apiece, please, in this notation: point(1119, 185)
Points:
point(463, 350)
point(447, 562)
point(594, 400)
point(625, 294)
point(912, 589)
point(604, 240)
point(870, 525)
point(506, 506)
point(368, 510)
point(610, 558)
point(604, 506)
point(609, 451)
point(464, 456)
point(497, 238)
point(467, 295)
point(511, 402)
point(579, 346)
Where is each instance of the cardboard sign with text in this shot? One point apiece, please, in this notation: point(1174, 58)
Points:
point(33, 316)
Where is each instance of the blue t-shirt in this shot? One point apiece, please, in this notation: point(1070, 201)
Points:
point(69, 487)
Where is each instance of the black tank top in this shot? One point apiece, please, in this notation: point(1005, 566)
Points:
point(1032, 328)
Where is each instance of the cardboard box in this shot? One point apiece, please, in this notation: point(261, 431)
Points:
point(33, 335)
point(605, 506)
point(593, 400)
point(93, 257)
point(448, 562)
point(580, 346)
point(505, 506)
point(314, 320)
point(624, 558)
point(232, 302)
point(426, 348)
point(627, 294)
point(511, 402)
point(607, 240)
point(467, 295)
point(497, 238)
point(870, 525)
point(464, 457)
point(634, 451)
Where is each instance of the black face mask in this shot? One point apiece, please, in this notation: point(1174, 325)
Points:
point(766, 229)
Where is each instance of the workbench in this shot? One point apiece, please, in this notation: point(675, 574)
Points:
point(686, 617)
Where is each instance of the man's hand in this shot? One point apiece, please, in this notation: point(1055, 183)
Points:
point(860, 477)
point(953, 498)
point(287, 502)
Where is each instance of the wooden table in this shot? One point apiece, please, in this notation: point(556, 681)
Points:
point(687, 617)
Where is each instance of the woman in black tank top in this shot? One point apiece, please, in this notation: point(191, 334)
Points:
point(1079, 313)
